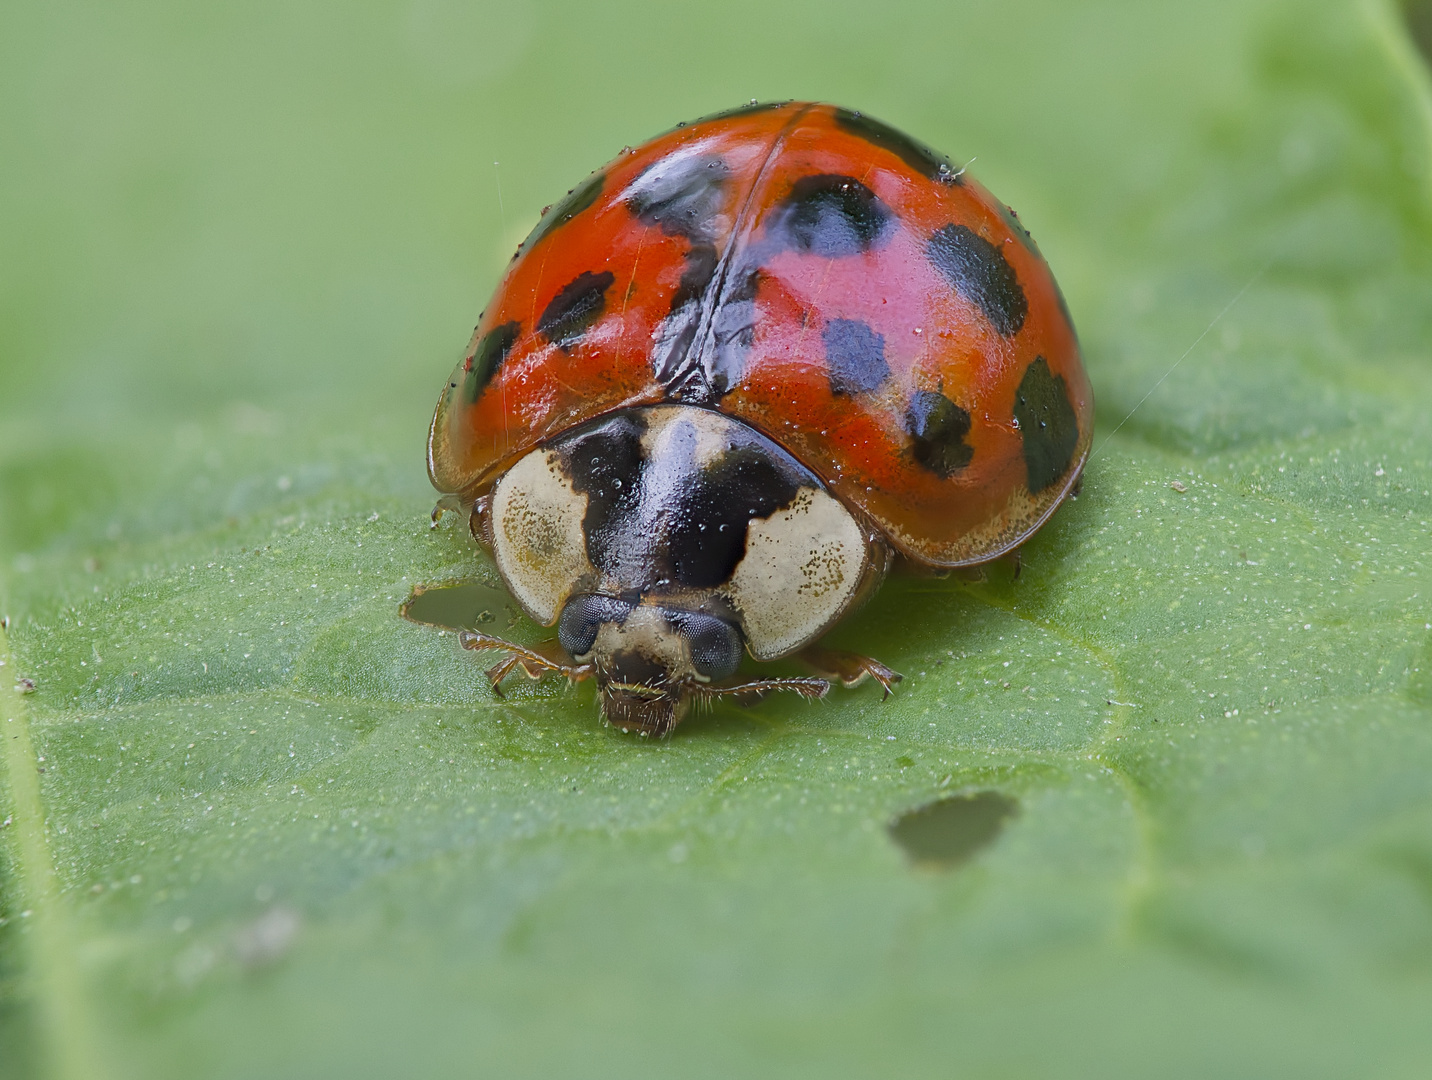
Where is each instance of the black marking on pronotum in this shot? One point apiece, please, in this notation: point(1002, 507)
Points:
point(977, 270)
point(1047, 424)
point(708, 533)
point(911, 151)
point(830, 216)
point(576, 307)
point(937, 429)
point(576, 200)
point(491, 351)
point(675, 522)
point(681, 194)
point(855, 356)
point(604, 463)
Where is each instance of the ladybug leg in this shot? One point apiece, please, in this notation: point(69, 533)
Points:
point(446, 503)
point(479, 521)
point(749, 693)
point(534, 662)
point(851, 669)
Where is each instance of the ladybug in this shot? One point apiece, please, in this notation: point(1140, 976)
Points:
point(734, 375)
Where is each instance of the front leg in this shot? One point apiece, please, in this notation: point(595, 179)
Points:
point(750, 693)
point(535, 661)
point(851, 669)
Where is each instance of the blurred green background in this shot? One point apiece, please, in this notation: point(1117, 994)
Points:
point(257, 825)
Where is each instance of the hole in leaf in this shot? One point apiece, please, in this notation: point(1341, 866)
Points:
point(947, 832)
point(467, 606)
point(1418, 14)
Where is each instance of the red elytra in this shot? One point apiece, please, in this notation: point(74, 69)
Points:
point(822, 278)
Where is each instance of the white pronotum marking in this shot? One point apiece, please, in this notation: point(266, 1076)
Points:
point(802, 568)
point(537, 537)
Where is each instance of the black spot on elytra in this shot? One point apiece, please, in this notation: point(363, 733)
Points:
point(1047, 424)
point(576, 307)
point(604, 463)
point(977, 270)
point(708, 533)
point(949, 831)
point(678, 331)
point(491, 351)
point(830, 216)
point(911, 151)
point(701, 260)
point(855, 356)
point(937, 429)
point(681, 194)
point(701, 371)
point(733, 330)
point(576, 200)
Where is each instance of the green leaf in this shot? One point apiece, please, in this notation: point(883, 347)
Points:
point(1160, 805)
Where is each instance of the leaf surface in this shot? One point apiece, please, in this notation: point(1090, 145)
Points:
point(259, 825)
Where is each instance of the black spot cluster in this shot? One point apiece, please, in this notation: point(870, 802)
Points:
point(937, 428)
point(1047, 423)
point(830, 216)
point(977, 270)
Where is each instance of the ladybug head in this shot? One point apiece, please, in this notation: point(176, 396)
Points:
point(649, 659)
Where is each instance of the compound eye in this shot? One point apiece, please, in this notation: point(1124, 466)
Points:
point(583, 616)
point(715, 645)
